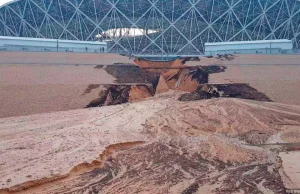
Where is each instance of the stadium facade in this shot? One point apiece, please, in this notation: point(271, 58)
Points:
point(159, 27)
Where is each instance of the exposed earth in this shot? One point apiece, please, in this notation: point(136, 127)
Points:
point(156, 146)
point(152, 127)
point(34, 83)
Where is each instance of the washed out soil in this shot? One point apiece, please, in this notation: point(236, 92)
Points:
point(120, 94)
point(128, 73)
point(208, 91)
point(134, 74)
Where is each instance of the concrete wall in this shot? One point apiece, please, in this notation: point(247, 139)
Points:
point(50, 45)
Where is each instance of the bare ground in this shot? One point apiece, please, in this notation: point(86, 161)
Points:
point(158, 146)
point(33, 89)
point(279, 82)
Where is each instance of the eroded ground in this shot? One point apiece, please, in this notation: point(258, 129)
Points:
point(160, 145)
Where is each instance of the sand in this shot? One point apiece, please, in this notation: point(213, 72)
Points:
point(184, 145)
point(38, 146)
point(291, 167)
point(279, 82)
point(32, 89)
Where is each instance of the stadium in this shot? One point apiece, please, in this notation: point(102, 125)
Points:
point(157, 27)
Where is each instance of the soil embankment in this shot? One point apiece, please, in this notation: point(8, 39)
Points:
point(134, 83)
point(119, 94)
point(173, 75)
point(208, 91)
point(179, 76)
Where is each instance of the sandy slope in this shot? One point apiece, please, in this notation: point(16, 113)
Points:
point(188, 145)
point(38, 146)
point(290, 163)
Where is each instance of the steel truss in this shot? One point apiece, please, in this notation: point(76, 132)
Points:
point(178, 27)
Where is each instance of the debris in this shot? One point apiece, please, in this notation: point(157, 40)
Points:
point(208, 91)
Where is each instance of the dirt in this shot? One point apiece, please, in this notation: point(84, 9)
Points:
point(162, 86)
point(208, 91)
point(255, 137)
point(187, 173)
point(131, 74)
point(76, 171)
point(179, 76)
point(47, 88)
point(140, 92)
point(119, 94)
point(90, 88)
point(172, 75)
point(60, 58)
point(219, 138)
point(279, 82)
point(199, 146)
point(159, 66)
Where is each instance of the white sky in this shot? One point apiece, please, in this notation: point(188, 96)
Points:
point(4, 1)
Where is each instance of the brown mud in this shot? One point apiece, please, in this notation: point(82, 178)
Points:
point(199, 146)
point(119, 94)
point(170, 75)
point(32, 186)
point(208, 91)
point(134, 83)
point(176, 75)
point(214, 146)
point(160, 168)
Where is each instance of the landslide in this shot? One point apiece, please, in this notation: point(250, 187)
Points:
point(198, 146)
point(119, 94)
point(228, 117)
point(129, 74)
point(179, 76)
point(208, 91)
point(163, 76)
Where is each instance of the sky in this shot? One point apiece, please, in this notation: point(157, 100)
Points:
point(4, 1)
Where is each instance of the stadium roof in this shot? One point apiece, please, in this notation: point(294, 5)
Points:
point(163, 27)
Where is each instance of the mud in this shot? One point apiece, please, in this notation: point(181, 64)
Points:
point(217, 146)
point(131, 74)
point(226, 57)
point(90, 88)
point(255, 137)
point(194, 147)
point(208, 91)
point(119, 94)
point(76, 171)
point(174, 75)
point(160, 168)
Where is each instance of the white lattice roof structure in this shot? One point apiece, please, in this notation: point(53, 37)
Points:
point(163, 27)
